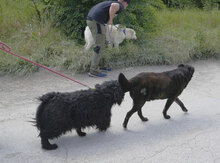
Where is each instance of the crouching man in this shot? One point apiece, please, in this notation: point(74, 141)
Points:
point(101, 14)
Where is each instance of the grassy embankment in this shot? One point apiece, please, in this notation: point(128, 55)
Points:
point(182, 35)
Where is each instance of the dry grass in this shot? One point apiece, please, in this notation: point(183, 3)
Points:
point(182, 35)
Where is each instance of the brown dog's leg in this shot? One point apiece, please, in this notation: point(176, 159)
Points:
point(167, 106)
point(136, 107)
point(129, 114)
point(180, 103)
point(141, 115)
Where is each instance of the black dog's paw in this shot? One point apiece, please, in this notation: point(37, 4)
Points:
point(82, 134)
point(102, 129)
point(50, 147)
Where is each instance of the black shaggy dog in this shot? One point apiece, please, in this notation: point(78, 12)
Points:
point(148, 86)
point(62, 112)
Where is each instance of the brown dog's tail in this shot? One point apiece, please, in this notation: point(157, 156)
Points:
point(124, 82)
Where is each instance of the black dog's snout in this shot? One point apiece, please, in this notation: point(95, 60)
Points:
point(191, 70)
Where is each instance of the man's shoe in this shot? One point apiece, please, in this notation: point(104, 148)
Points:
point(99, 75)
point(105, 69)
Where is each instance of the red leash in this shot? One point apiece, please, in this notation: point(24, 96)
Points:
point(7, 49)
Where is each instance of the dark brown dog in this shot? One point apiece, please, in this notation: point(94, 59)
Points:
point(148, 86)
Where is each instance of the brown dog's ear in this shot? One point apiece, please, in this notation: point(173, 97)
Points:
point(124, 82)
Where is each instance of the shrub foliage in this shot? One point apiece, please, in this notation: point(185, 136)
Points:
point(70, 15)
point(202, 4)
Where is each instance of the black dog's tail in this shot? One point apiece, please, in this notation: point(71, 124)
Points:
point(44, 101)
point(126, 86)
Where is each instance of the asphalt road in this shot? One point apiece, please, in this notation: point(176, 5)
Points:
point(186, 137)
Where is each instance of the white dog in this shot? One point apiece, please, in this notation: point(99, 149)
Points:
point(114, 35)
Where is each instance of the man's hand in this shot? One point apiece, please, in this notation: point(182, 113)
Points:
point(112, 10)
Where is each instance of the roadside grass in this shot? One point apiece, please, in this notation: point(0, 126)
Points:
point(182, 36)
point(14, 15)
point(198, 33)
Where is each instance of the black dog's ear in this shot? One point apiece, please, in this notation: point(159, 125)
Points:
point(124, 82)
point(181, 65)
point(97, 86)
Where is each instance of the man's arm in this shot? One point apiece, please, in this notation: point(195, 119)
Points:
point(112, 10)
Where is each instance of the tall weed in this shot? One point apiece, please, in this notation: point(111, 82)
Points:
point(197, 32)
point(14, 15)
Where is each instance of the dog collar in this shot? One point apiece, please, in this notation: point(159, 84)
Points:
point(124, 31)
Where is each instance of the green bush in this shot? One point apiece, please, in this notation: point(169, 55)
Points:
point(202, 4)
point(70, 15)
point(140, 16)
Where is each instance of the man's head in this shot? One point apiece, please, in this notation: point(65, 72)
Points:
point(125, 3)
point(128, 1)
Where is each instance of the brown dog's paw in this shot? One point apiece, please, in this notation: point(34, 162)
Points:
point(167, 117)
point(144, 119)
point(185, 110)
point(125, 125)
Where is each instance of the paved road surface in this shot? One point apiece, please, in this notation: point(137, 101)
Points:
point(186, 137)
